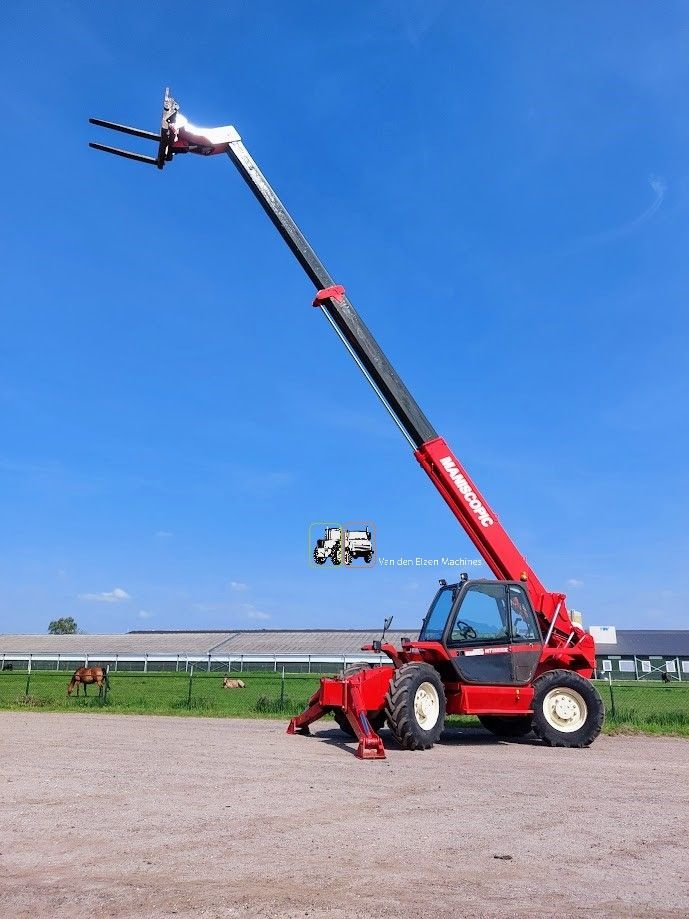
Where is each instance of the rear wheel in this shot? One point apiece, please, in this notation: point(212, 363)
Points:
point(510, 726)
point(318, 559)
point(415, 706)
point(568, 711)
point(368, 557)
point(347, 557)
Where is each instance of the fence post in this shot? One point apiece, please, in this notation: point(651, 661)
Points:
point(282, 689)
point(191, 679)
point(106, 686)
point(28, 677)
point(612, 696)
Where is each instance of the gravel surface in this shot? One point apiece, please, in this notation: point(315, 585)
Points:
point(113, 815)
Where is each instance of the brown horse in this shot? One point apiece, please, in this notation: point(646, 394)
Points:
point(86, 675)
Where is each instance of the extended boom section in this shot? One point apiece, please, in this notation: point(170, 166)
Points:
point(504, 650)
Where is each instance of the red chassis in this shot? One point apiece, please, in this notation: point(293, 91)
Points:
point(362, 696)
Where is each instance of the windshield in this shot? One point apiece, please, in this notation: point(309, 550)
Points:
point(437, 616)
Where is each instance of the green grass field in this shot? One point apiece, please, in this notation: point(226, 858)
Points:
point(652, 707)
point(638, 706)
point(164, 693)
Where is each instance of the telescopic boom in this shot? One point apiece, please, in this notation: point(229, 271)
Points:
point(177, 135)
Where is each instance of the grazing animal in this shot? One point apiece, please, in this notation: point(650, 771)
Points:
point(7, 667)
point(86, 675)
point(229, 683)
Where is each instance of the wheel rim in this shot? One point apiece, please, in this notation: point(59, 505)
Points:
point(565, 709)
point(426, 706)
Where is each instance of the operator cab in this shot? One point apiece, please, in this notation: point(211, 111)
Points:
point(488, 628)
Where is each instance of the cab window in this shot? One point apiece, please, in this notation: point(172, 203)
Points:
point(524, 626)
point(436, 619)
point(482, 615)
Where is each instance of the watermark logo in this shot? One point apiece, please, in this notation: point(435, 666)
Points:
point(351, 545)
point(419, 561)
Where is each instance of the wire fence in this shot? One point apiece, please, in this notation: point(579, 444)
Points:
point(248, 694)
point(652, 705)
point(645, 704)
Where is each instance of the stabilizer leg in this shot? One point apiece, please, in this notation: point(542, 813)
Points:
point(346, 694)
point(370, 745)
point(312, 713)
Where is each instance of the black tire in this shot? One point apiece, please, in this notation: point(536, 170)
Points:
point(404, 709)
point(508, 726)
point(368, 557)
point(578, 719)
point(377, 719)
point(336, 556)
point(317, 559)
point(347, 557)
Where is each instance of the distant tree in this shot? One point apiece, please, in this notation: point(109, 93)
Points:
point(65, 626)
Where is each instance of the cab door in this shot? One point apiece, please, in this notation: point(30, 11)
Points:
point(478, 639)
point(494, 637)
point(526, 642)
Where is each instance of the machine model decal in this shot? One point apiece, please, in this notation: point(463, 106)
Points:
point(465, 490)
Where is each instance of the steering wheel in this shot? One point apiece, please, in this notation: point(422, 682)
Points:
point(466, 632)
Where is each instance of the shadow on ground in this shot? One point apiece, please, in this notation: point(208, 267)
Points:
point(451, 737)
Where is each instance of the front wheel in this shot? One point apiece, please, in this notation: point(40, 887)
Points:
point(415, 706)
point(318, 559)
point(568, 711)
point(336, 556)
point(507, 726)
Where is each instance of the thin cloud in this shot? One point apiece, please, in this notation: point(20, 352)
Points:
point(238, 586)
point(658, 186)
point(144, 614)
point(163, 534)
point(575, 582)
point(118, 595)
point(251, 612)
point(206, 607)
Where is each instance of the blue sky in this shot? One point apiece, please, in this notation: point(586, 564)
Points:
point(504, 191)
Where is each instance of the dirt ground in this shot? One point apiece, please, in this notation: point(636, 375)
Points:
point(147, 816)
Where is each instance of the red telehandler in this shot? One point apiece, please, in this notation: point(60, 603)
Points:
point(505, 650)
